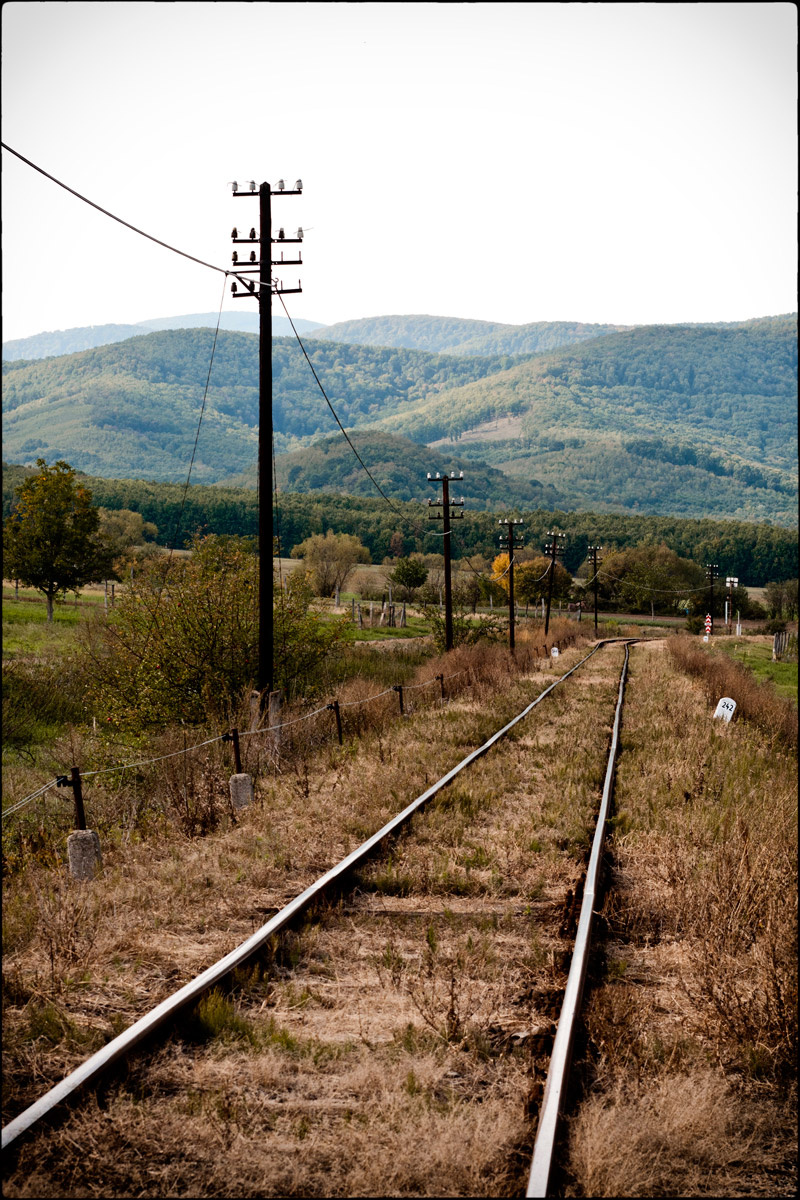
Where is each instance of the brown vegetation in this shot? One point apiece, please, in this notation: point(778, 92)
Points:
point(420, 1002)
point(721, 677)
point(690, 1068)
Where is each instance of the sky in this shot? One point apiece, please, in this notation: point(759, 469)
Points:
point(511, 162)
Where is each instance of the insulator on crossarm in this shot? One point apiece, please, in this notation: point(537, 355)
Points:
point(234, 288)
point(234, 233)
point(253, 234)
point(252, 256)
point(234, 257)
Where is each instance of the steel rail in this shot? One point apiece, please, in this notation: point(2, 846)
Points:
point(558, 1072)
point(192, 991)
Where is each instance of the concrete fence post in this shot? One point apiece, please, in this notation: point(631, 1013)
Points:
point(241, 784)
point(83, 845)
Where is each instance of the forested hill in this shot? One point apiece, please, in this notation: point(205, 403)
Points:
point(755, 553)
point(455, 335)
point(132, 408)
point(400, 468)
point(87, 337)
point(691, 420)
point(687, 419)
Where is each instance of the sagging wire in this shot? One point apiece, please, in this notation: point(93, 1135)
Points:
point(113, 217)
point(17, 805)
point(378, 487)
point(12, 808)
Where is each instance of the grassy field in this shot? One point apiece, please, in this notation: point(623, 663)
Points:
point(756, 654)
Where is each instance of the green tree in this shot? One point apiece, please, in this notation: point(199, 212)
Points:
point(653, 577)
point(51, 540)
point(408, 575)
point(781, 598)
point(331, 558)
point(125, 532)
point(533, 580)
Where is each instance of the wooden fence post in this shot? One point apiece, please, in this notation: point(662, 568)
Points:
point(338, 716)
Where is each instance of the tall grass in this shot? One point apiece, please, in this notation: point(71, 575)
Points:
point(718, 677)
point(692, 1025)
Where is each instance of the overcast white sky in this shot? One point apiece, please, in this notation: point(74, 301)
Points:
point(629, 163)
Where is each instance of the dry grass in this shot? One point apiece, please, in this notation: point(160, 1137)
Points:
point(367, 1052)
point(692, 1027)
point(684, 1135)
point(756, 702)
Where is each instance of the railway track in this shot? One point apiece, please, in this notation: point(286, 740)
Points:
point(389, 1029)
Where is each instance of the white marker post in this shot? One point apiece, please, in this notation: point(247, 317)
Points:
point(725, 709)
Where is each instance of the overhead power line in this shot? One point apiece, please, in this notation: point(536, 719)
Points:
point(113, 216)
point(378, 487)
point(236, 275)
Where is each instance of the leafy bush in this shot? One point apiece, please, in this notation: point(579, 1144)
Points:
point(466, 630)
point(182, 642)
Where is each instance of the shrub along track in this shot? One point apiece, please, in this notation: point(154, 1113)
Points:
point(397, 1042)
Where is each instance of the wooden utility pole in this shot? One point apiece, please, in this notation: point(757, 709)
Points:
point(261, 264)
point(593, 553)
point(710, 570)
point(513, 543)
point(553, 549)
point(446, 516)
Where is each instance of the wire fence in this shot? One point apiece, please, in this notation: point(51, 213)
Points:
point(272, 729)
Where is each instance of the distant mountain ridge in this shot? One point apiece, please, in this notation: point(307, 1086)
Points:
point(457, 335)
point(693, 420)
point(436, 335)
point(87, 337)
point(114, 407)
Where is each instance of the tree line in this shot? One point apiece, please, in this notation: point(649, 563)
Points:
point(755, 552)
